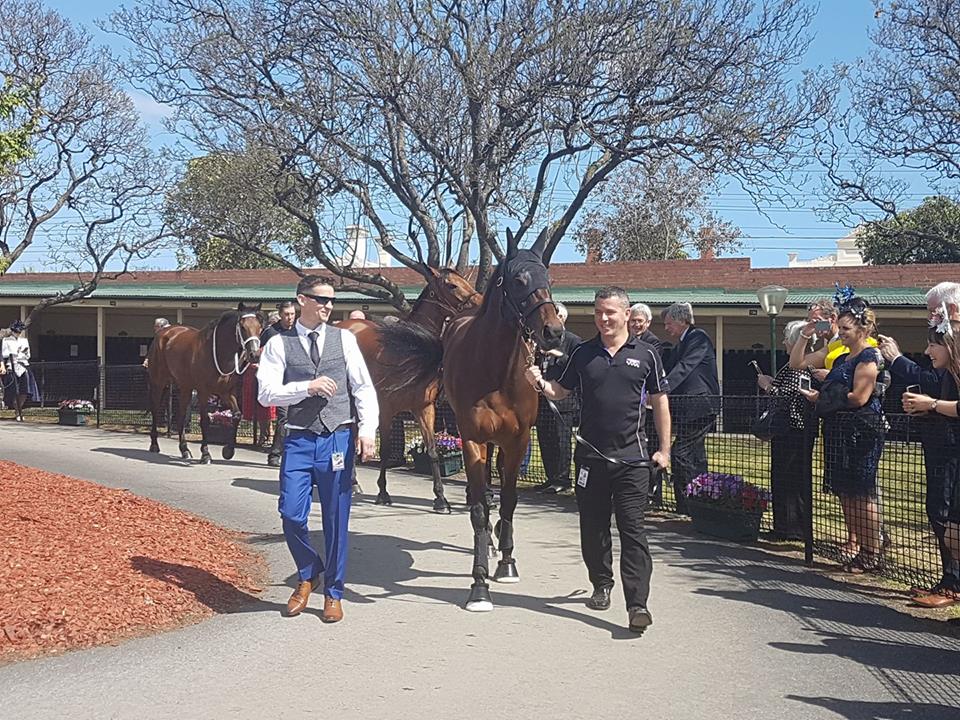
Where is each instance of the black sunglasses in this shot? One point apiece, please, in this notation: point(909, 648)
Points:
point(320, 299)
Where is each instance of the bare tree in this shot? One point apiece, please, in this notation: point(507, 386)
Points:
point(90, 183)
point(655, 211)
point(457, 118)
point(903, 116)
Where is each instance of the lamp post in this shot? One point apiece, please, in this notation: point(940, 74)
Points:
point(772, 298)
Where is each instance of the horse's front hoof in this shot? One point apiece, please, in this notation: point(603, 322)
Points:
point(205, 459)
point(479, 600)
point(383, 498)
point(154, 448)
point(227, 452)
point(186, 455)
point(506, 572)
point(440, 505)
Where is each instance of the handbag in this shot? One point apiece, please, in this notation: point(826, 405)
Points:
point(773, 422)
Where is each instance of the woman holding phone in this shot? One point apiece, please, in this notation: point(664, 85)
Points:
point(853, 432)
point(935, 397)
point(790, 455)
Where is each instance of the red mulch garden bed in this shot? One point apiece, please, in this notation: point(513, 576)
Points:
point(81, 564)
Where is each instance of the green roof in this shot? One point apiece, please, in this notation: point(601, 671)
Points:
point(885, 297)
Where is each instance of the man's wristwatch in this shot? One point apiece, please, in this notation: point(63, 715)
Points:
point(933, 408)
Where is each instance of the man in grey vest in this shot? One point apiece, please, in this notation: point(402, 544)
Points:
point(317, 371)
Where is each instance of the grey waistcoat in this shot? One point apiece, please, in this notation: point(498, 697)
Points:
point(318, 413)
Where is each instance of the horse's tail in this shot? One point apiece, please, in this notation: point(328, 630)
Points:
point(413, 354)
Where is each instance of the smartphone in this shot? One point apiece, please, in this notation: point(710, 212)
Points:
point(753, 364)
point(822, 326)
point(804, 383)
point(913, 389)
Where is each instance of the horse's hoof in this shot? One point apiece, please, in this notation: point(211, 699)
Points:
point(154, 448)
point(186, 455)
point(383, 498)
point(440, 505)
point(479, 600)
point(506, 572)
point(357, 490)
point(227, 452)
point(205, 460)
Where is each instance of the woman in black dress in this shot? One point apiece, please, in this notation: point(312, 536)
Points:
point(790, 453)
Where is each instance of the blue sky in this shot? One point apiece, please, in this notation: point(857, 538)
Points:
point(840, 33)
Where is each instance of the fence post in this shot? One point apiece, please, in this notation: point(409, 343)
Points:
point(810, 440)
point(101, 385)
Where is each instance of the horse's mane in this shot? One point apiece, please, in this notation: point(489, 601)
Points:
point(207, 329)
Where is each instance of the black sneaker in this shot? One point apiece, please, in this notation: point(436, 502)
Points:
point(600, 600)
point(640, 619)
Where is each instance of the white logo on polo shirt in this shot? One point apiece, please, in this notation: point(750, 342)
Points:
point(633, 362)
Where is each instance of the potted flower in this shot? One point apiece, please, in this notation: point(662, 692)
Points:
point(74, 412)
point(726, 506)
point(449, 455)
point(219, 423)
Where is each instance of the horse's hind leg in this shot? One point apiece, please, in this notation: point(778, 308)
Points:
point(185, 395)
point(425, 418)
point(156, 403)
point(386, 419)
point(479, 598)
point(509, 461)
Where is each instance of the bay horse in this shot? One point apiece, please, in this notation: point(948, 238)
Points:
point(446, 294)
point(484, 356)
point(210, 361)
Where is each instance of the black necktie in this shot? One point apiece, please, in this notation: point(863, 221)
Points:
point(314, 350)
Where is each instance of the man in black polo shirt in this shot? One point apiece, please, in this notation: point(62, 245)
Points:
point(617, 375)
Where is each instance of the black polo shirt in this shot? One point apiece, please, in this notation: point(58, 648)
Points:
point(613, 389)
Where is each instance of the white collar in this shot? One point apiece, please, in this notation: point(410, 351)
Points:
point(684, 333)
point(304, 331)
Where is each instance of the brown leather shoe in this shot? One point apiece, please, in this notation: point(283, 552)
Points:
point(298, 601)
point(942, 599)
point(332, 610)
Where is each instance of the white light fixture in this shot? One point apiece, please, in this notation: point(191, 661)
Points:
point(772, 299)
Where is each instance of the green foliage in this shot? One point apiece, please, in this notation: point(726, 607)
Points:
point(226, 208)
point(655, 210)
point(15, 130)
point(929, 233)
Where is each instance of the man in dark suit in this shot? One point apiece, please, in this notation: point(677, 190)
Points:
point(554, 435)
point(691, 369)
point(639, 323)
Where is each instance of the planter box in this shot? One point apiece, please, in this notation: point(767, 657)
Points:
point(736, 525)
point(449, 464)
point(219, 434)
point(69, 417)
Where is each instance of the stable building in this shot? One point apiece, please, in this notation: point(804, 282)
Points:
point(115, 323)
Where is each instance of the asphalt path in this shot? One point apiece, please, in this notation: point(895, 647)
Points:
point(739, 632)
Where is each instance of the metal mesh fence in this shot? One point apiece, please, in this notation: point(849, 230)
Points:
point(865, 492)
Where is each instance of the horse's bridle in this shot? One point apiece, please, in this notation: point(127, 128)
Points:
point(526, 307)
point(243, 346)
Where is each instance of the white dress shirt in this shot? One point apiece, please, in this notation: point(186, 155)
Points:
point(17, 349)
point(273, 391)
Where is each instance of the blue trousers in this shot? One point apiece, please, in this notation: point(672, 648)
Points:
point(307, 462)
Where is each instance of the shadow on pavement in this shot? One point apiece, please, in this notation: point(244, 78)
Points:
point(862, 710)
point(161, 458)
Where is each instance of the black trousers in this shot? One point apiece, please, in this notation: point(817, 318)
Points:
point(623, 491)
point(279, 433)
point(689, 453)
point(790, 462)
point(554, 436)
point(943, 476)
